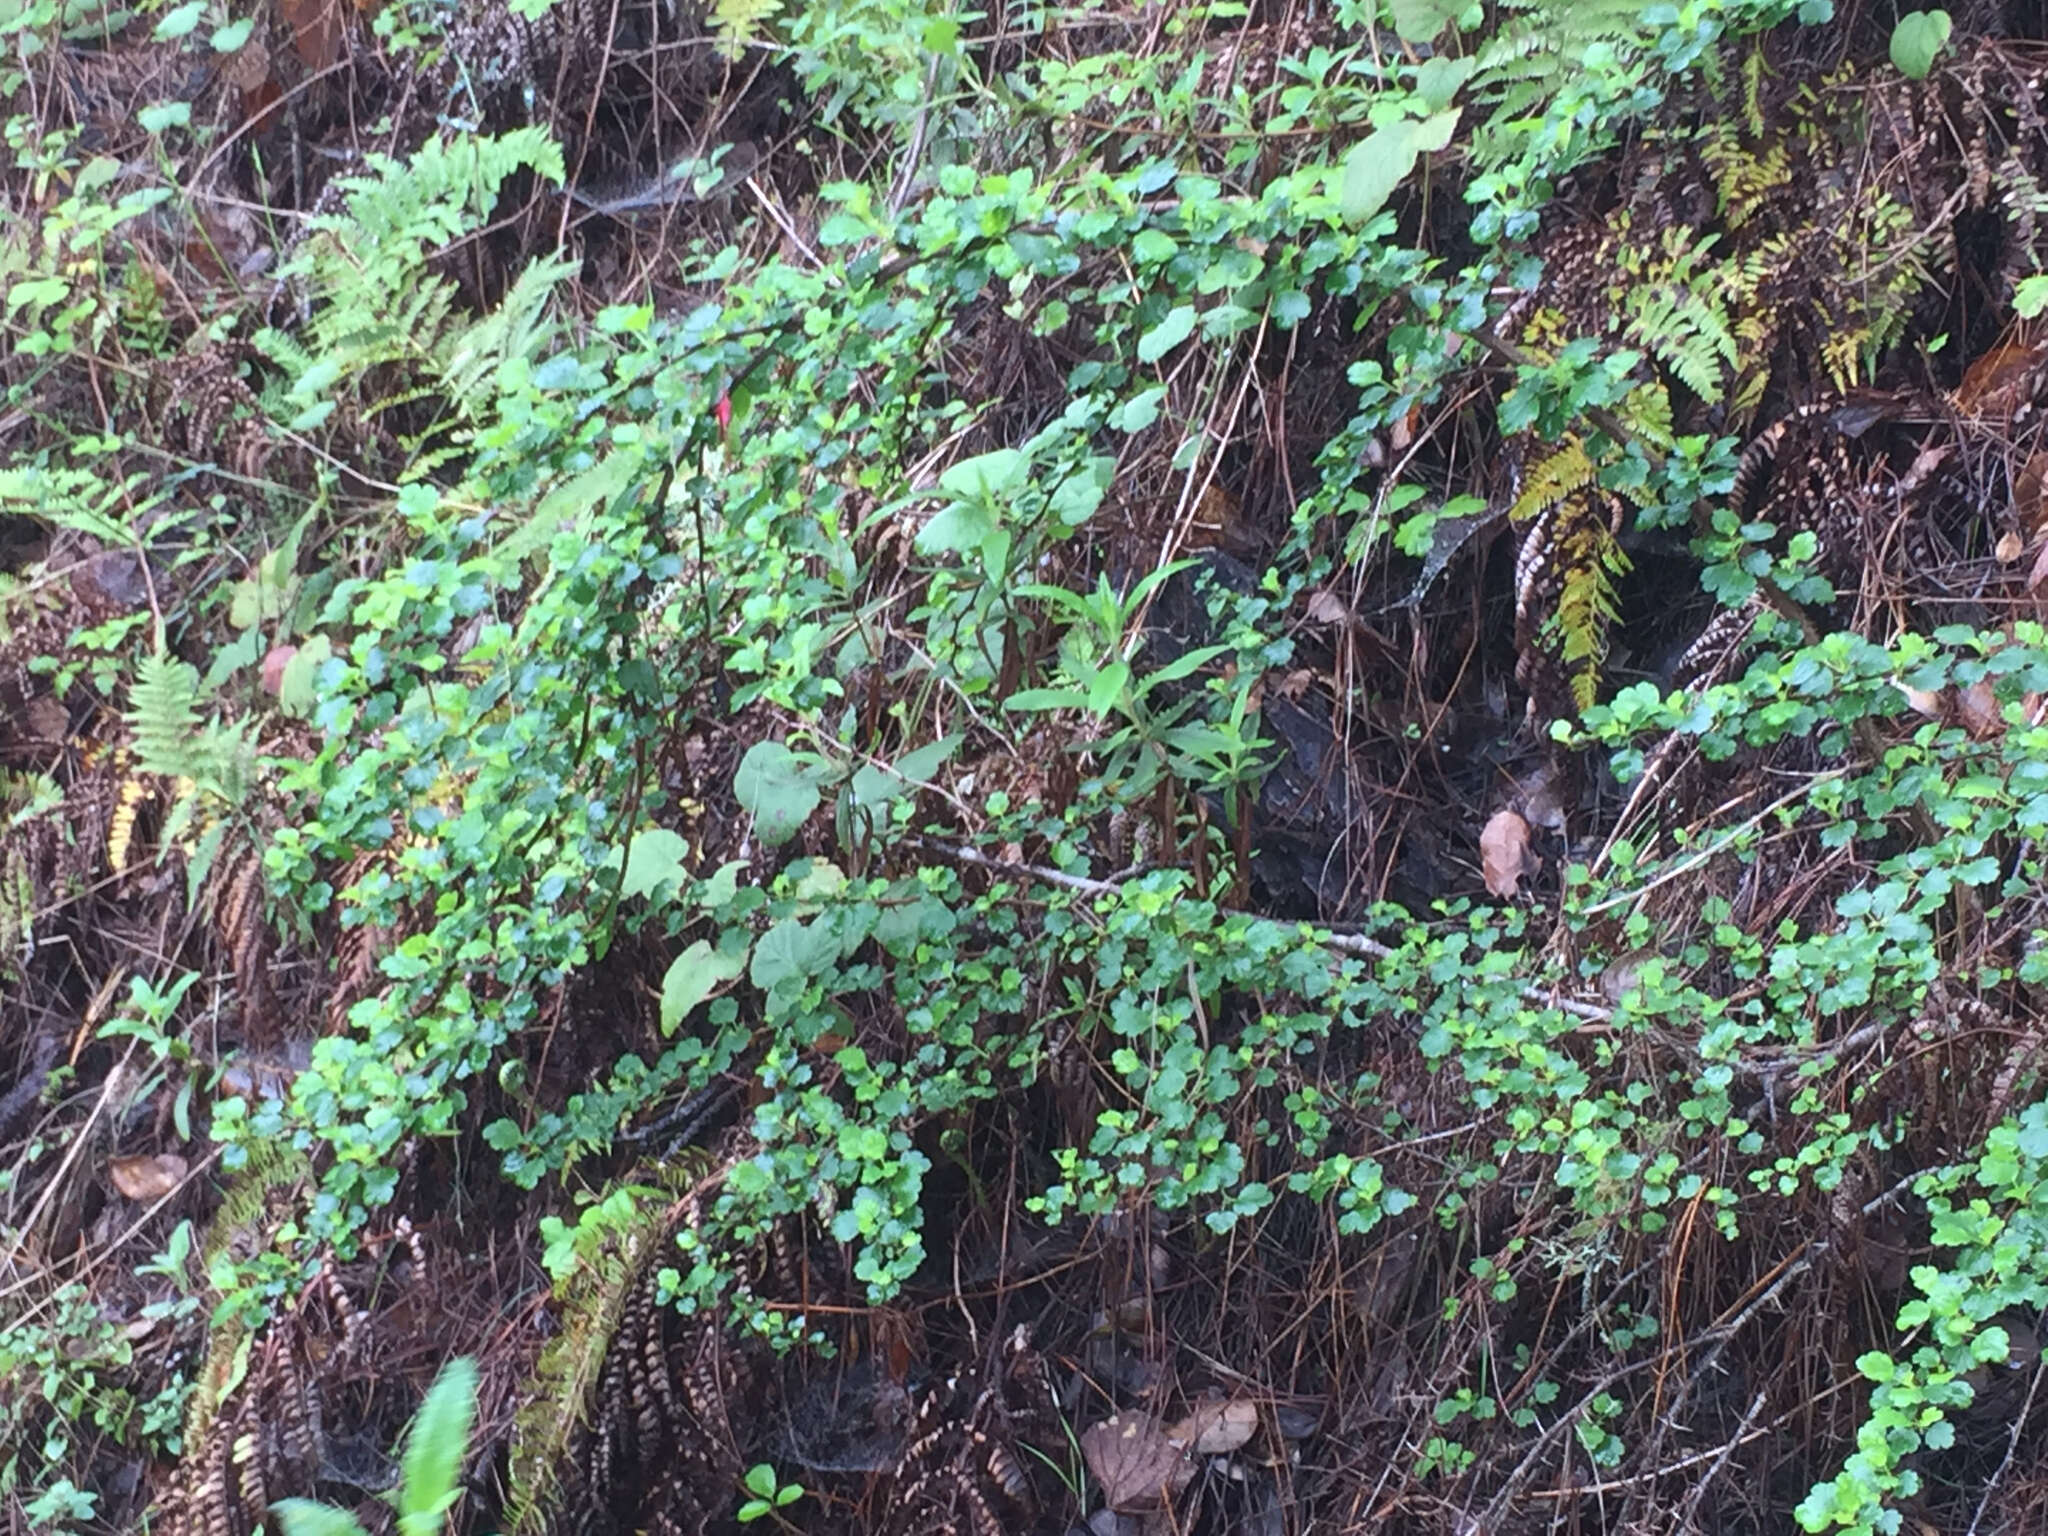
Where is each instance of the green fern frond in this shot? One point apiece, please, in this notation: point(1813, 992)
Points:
point(259, 1195)
point(170, 738)
point(163, 716)
point(383, 325)
point(1647, 411)
point(1687, 334)
point(517, 330)
point(737, 23)
point(591, 1301)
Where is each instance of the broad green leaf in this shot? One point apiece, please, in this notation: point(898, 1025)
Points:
point(2031, 296)
point(1138, 412)
point(299, 690)
point(434, 1448)
point(694, 975)
point(1075, 499)
point(1382, 160)
point(821, 880)
point(778, 788)
point(875, 785)
point(1376, 165)
point(1419, 21)
point(958, 528)
point(1108, 687)
point(655, 854)
point(1167, 334)
point(308, 1517)
point(923, 764)
point(1434, 132)
point(720, 889)
point(167, 114)
point(1181, 666)
point(1918, 40)
point(792, 951)
point(1440, 78)
point(180, 21)
point(1153, 245)
point(1047, 698)
point(986, 475)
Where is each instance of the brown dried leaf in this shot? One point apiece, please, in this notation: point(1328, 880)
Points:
point(1504, 853)
point(316, 29)
point(1326, 607)
point(247, 69)
point(147, 1178)
point(1542, 800)
point(2030, 494)
point(1217, 1428)
point(2001, 381)
point(1977, 710)
point(2010, 547)
point(1138, 1466)
point(2040, 571)
point(1922, 702)
point(1379, 1288)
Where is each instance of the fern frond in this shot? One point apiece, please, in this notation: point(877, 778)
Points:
point(163, 716)
point(1589, 562)
point(170, 738)
point(382, 324)
point(591, 1302)
point(135, 790)
point(736, 23)
point(1647, 410)
point(516, 330)
point(1563, 473)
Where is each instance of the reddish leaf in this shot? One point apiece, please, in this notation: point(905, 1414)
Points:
point(275, 660)
point(316, 29)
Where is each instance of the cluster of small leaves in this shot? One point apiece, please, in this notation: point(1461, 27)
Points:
point(485, 729)
point(71, 1374)
point(1991, 1216)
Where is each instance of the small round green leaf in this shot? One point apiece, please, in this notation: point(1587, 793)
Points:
point(1918, 40)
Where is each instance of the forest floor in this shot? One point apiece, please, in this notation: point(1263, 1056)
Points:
point(1151, 769)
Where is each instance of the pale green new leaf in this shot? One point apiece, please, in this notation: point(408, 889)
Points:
point(439, 1439)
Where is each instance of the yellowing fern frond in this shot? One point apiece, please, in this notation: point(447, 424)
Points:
point(736, 23)
point(1568, 470)
point(135, 791)
point(1589, 561)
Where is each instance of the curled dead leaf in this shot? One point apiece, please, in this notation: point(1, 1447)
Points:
point(1921, 701)
point(1217, 1428)
point(1296, 683)
point(147, 1178)
point(1326, 607)
point(1504, 853)
point(2040, 571)
point(1137, 1464)
point(2010, 547)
